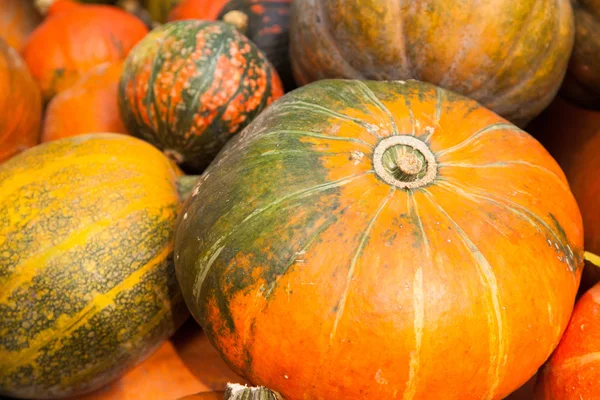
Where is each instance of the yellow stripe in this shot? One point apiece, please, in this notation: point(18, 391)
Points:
point(27, 269)
point(65, 326)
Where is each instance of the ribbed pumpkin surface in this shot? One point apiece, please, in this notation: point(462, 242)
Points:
point(381, 240)
point(17, 19)
point(86, 287)
point(189, 86)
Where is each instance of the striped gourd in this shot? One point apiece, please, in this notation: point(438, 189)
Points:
point(87, 288)
point(381, 240)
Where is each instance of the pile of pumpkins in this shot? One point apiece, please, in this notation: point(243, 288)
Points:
point(354, 199)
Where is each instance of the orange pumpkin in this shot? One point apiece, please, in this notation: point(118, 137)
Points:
point(572, 135)
point(573, 371)
point(380, 240)
point(20, 102)
point(74, 38)
point(90, 106)
point(17, 19)
point(205, 396)
point(185, 364)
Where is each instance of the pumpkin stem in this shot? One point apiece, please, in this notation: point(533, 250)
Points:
point(592, 258)
point(239, 392)
point(185, 185)
point(238, 19)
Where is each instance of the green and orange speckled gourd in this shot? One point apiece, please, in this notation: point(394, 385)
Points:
point(396, 239)
point(582, 82)
point(189, 86)
point(87, 286)
point(511, 56)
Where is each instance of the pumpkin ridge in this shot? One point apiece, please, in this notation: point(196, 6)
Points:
point(318, 135)
point(26, 267)
point(373, 97)
point(418, 305)
point(498, 353)
point(99, 303)
point(519, 210)
point(490, 128)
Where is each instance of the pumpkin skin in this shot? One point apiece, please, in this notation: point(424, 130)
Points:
point(572, 135)
point(582, 82)
point(20, 102)
point(88, 289)
point(292, 234)
point(573, 371)
point(267, 25)
point(90, 106)
point(75, 38)
point(205, 396)
point(509, 56)
point(17, 19)
point(189, 86)
point(160, 9)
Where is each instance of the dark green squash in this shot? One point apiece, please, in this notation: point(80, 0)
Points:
point(189, 86)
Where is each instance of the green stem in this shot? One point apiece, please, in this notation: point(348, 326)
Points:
point(185, 185)
point(592, 258)
point(239, 392)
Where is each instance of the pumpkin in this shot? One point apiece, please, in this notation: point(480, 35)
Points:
point(205, 396)
point(186, 363)
point(237, 392)
point(572, 135)
point(573, 371)
point(265, 22)
point(88, 289)
point(582, 82)
point(20, 102)
point(189, 86)
point(160, 9)
point(510, 56)
point(88, 106)
point(74, 38)
point(17, 19)
point(381, 231)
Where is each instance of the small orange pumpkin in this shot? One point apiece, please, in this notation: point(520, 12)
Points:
point(74, 38)
point(20, 102)
point(18, 18)
point(89, 106)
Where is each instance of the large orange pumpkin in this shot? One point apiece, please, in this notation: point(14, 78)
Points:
point(17, 19)
point(572, 135)
point(74, 38)
point(90, 106)
point(20, 104)
point(582, 82)
point(380, 240)
point(509, 55)
point(573, 372)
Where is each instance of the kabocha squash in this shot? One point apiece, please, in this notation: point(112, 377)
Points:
point(87, 289)
point(74, 38)
point(265, 22)
point(573, 371)
point(511, 56)
point(189, 86)
point(20, 102)
point(582, 82)
point(572, 135)
point(87, 107)
point(17, 19)
point(381, 231)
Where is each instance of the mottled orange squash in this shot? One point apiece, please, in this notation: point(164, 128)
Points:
point(573, 371)
point(87, 285)
point(17, 19)
point(509, 55)
point(396, 239)
point(75, 38)
point(20, 104)
point(89, 106)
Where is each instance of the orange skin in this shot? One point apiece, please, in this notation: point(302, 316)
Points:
point(572, 135)
point(74, 38)
point(573, 371)
point(90, 106)
point(185, 364)
point(459, 289)
point(197, 9)
point(17, 19)
point(21, 105)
